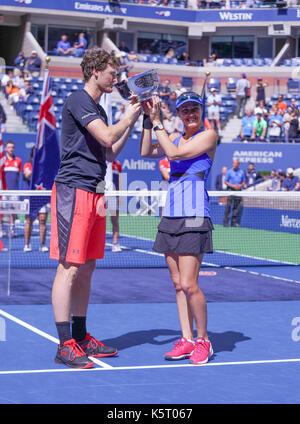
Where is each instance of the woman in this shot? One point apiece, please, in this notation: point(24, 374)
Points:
point(185, 231)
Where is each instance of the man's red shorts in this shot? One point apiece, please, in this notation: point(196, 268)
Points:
point(78, 224)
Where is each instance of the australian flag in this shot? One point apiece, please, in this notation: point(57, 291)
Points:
point(46, 152)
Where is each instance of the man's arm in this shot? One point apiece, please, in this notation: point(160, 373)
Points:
point(112, 152)
point(109, 135)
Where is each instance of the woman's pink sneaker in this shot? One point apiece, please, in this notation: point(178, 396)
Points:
point(182, 350)
point(203, 351)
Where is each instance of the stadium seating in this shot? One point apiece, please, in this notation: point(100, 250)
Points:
point(63, 87)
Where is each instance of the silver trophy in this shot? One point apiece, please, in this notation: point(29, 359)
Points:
point(142, 85)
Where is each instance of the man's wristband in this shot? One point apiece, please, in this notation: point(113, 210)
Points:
point(147, 124)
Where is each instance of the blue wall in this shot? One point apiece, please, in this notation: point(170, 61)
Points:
point(144, 173)
point(264, 156)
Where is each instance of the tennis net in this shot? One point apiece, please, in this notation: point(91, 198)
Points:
point(265, 230)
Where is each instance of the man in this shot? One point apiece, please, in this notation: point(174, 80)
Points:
point(259, 130)
point(220, 184)
point(164, 90)
point(282, 106)
point(252, 176)
point(214, 102)
point(242, 94)
point(220, 179)
point(78, 221)
point(12, 170)
point(33, 64)
point(80, 46)
point(291, 182)
point(20, 61)
point(275, 125)
point(247, 125)
point(63, 47)
point(235, 180)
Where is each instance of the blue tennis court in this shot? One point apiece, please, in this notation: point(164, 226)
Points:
point(253, 323)
point(252, 286)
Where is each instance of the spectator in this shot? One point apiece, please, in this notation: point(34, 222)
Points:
point(247, 126)
point(123, 47)
point(235, 180)
point(260, 91)
point(220, 179)
point(287, 117)
point(12, 170)
point(291, 182)
point(274, 125)
point(124, 65)
point(132, 56)
point(20, 61)
point(281, 176)
point(19, 80)
point(12, 92)
point(63, 47)
point(80, 46)
point(184, 57)
point(294, 127)
point(293, 103)
point(169, 123)
point(275, 181)
point(260, 127)
point(170, 54)
point(164, 90)
point(6, 78)
point(114, 214)
point(28, 90)
point(179, 89)
point(242, 94)
point(164, 109)
point(214, 102)
point(262, 108)
point(282, 106)
point(42, 214)
point(119, 113)
point(252, 176)
point(2, 119)
point(33, 64)
point(171, 102)
point(179, 127)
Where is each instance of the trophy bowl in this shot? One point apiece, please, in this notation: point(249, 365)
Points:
point(142, 85)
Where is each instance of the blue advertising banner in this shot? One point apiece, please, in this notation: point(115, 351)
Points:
point(264, 156)
point(161, 13)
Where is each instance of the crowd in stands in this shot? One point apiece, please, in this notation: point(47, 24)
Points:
point(280, 180)
point(204, 4)
point(277, 121)
point(64, 48)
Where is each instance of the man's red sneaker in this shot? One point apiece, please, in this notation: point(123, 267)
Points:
point(72, 355)
point(92, 347)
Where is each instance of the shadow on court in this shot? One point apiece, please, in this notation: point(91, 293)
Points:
point(221, 342)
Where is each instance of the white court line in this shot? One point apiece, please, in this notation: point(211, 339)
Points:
point(145, 367)
point(149, 252)
point(217, 251)
point(45, 335)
